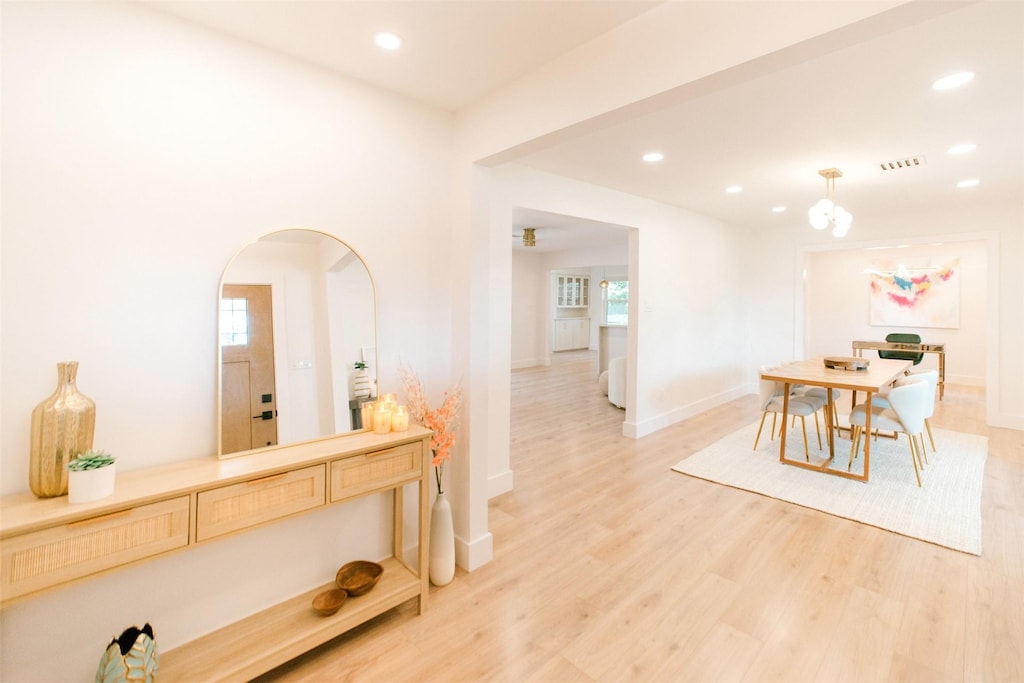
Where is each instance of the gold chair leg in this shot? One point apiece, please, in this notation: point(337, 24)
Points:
point(758, 437)
point(775, 416)
point(928, 426)
point(807, 451)
point(817, 429)
point(922, 452)
point(854, 435)
point(913, 459)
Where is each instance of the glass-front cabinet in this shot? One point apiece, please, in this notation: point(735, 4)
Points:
point(573, 291)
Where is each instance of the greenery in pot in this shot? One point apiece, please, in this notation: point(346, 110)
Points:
point(91, 460)
point(360, 365)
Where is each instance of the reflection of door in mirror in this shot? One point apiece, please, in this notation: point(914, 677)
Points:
point(248, 396)
point(324, 315)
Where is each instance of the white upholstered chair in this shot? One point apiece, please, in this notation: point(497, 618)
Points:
point(905, 412)
point(930, 376)
point(771, 402)
point(617, 381)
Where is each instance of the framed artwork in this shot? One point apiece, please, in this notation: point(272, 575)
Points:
point(906, 294)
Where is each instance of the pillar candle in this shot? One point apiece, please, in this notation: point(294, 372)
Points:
point(367, 413)
point(382, 419)
point(400, 419)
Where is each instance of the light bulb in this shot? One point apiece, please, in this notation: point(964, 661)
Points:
point(818, 214)
point(844, 219)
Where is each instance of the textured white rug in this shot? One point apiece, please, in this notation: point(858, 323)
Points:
point(945, 511)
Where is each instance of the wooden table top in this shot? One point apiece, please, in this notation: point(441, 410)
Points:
point(880, 372)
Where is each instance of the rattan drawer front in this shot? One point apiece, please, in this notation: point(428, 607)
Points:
point(363, 473)
point(50, 557)
point(239, 506)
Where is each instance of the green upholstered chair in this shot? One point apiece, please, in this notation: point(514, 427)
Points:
point(900, 338)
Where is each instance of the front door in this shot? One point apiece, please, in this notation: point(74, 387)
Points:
point(248, 394)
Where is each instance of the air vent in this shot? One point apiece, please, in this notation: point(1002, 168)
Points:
point(905, 162)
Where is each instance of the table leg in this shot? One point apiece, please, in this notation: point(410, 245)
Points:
point(942, 374)
point(785, 413)
point(867, 433)
point(829, 412)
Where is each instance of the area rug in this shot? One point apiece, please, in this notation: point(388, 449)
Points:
point(946, 510)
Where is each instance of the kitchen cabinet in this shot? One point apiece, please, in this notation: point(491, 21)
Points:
point(571, 333)
point(572, 291)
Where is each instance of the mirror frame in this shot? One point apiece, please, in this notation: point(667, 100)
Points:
point(220, 373)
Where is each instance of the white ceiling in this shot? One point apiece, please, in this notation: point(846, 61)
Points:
point(453, 51)
point(852, 109)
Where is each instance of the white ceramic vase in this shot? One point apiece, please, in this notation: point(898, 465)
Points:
point(87, 485)
point(442, 542)
point(362, 387)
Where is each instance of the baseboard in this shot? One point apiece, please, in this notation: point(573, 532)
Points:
point(966, 380)
point(498, 484)
point(474, 555)
point(639, 430)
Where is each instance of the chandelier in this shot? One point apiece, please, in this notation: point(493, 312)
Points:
point(826, 213)
point(529, 237)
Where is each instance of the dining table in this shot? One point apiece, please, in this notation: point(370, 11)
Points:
point(871, 378)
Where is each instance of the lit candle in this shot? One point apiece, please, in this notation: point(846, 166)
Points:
point(389, 399)
point(367, 413)
point(382, 418)
point(400, 419)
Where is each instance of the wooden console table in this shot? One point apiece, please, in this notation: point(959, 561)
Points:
point(48, 543)
point(940, 349)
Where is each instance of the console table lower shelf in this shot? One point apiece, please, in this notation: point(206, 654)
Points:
point(262, 641)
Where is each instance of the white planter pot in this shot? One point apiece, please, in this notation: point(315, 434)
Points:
point(442, 542)
point(87, 485)
point(362, 387)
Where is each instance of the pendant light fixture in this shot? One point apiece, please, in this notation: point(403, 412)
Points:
point(529, 237)
point(826, 212)
point(603, 284)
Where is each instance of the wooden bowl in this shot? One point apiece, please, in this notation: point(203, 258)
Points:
point(359, 577)
point(330, 601)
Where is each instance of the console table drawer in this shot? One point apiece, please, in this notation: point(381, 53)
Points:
point(239, 506)
point(53, 556)
point(364, 473)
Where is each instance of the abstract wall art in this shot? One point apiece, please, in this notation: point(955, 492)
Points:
point(905, 294)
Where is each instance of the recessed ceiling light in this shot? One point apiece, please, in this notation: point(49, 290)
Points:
point(971, 182)
point(778, 209)
point(388, 41)
point(953, 80)
point(962, 148)
point(734, 189)
point(651, 157)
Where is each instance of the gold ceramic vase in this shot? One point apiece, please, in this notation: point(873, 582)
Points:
point(62, 429)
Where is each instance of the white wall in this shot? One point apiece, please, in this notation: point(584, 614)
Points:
point(139, 154)
point(837, 310)
point(529, 304)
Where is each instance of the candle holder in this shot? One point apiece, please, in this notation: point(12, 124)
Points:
point(382, 419)
point(400, 419)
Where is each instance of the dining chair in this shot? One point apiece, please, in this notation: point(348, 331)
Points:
point(932, 378)
point(902, 338)
point(907, 407)
point(818, 396)
point(771, 395)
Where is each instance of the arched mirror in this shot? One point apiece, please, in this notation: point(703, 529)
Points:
point(297, 314)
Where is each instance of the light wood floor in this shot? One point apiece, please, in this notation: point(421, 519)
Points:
point(610, 567)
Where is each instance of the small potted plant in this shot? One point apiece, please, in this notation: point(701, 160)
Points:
point(90, 476)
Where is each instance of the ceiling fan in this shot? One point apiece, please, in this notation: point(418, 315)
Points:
point(526, 236)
